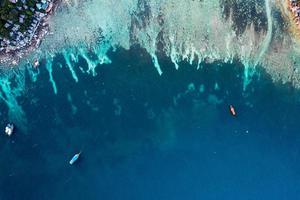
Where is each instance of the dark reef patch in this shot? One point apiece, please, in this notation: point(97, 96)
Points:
point(244, 13)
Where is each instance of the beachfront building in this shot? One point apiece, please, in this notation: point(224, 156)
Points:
point(19, 21)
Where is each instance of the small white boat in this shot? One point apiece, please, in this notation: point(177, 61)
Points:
point(36, 63)
point(9, 129)
point(74, 158)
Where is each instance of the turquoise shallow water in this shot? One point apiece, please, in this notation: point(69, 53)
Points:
point(145, 136)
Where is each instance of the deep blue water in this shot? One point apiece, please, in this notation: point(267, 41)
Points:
point(145, 136)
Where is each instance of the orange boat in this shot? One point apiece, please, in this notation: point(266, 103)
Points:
point(232, 110)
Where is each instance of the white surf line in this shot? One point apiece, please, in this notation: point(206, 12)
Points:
point(249, 71)
point(268, 38)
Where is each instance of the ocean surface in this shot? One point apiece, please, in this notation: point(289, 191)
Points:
point(151, 137)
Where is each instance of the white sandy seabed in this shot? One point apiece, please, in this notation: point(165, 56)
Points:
point(192, 30)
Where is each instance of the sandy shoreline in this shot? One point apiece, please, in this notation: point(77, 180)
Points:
point(293, 25)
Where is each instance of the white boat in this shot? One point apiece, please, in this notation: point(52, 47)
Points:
point(9, 129)
point(74, 158)
point(36, 63)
